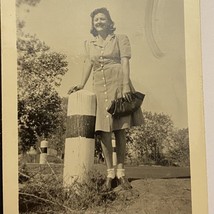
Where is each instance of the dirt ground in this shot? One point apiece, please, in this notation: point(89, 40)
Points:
point(152, 196)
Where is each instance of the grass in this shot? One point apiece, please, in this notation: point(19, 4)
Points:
point(44, 193)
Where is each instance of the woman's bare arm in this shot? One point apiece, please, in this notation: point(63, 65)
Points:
point(126, 78)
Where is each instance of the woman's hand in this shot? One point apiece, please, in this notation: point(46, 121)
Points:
point(128, 96)
point(75, 88)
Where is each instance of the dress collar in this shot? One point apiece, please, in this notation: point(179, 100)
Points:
point(95, 40)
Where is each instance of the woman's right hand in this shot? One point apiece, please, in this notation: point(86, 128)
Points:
point(75, 88)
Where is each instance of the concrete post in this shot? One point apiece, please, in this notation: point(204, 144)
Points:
point(43, 152)
point(79, 143)
point(114, 155)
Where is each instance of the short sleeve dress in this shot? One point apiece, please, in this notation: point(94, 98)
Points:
point(108, 80)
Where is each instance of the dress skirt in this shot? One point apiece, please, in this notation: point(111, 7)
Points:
point(108, 85)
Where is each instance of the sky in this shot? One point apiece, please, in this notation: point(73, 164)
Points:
point(64, 25)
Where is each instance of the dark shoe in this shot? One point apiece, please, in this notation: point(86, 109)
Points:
point(111, 183)
point(114, 182)
point(108, 183)
point(123, 181)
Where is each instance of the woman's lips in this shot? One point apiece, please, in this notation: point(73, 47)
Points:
point(99, 25)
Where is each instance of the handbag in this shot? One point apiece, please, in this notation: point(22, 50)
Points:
point(121, 107)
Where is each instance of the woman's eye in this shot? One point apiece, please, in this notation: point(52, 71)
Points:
point(101, 19)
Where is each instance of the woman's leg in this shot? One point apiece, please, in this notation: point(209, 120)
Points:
point(107, 148)
point(107, 151)
point(120, 137)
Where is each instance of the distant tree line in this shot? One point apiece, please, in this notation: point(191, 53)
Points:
point(157, 141)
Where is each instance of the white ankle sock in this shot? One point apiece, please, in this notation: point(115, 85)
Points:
point(120, 173)
point(111, 173)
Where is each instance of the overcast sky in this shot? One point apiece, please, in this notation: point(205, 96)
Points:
point(65, 24)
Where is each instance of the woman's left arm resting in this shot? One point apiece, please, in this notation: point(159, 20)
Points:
point(126, 77)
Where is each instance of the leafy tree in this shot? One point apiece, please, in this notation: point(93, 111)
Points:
point(178, 151)
point(40, 71)
point(157, 141)
point(41, 112)
point(146, 141)
point(57, 139)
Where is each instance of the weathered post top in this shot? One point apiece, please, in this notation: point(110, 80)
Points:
point(44, 144)
point(81, 114)
point(82, 102)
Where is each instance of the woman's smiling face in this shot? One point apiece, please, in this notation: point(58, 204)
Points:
point(100, 22)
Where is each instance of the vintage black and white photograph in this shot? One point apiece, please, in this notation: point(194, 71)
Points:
point(102, 107)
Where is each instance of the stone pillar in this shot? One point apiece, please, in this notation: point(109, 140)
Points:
point(79, 143)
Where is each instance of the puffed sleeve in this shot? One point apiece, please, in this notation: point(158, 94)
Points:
point(124, 45)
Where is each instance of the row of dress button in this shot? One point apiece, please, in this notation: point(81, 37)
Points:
point(102, 65)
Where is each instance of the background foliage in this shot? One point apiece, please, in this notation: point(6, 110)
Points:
point(157, 141)
point(41, 111)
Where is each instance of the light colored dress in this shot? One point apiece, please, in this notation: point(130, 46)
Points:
point(108, 79)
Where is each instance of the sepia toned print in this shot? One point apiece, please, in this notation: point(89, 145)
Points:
point(73, 60)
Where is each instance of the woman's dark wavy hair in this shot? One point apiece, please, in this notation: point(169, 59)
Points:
point(104, 11)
